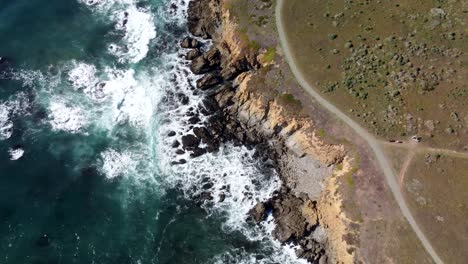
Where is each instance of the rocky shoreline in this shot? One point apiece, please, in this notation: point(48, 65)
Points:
point(236, 113)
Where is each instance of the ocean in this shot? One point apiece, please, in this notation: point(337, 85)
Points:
point(90, 91)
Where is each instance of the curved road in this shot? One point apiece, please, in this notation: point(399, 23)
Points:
point(373, 143)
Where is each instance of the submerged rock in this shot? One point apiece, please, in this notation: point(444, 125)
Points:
point(43, 241)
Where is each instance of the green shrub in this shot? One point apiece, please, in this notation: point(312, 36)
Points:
point(269, 55)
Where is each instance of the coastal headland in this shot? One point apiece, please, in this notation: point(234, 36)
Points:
point(335, 204)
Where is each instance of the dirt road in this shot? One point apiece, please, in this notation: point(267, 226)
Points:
point(371, 140)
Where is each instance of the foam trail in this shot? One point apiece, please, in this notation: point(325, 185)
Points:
point(17, 105)
point(6, 125)
point(134, 22)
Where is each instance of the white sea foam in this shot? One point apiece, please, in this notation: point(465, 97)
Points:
point(132, 100)
point(116, 164)
point(6, 125)
point(139, 29)
point(233, 176)
point(15, 106)
point(31, 78)
point(15, 154)
point(65, 117)
point(135, 23)
point(83, 76)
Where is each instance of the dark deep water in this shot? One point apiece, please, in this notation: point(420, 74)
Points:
point(86, 95)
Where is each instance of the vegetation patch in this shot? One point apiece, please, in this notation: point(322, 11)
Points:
point(269, 55)
point(290, 99)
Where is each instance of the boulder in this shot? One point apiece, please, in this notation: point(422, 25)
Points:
point(192, 54)
point(175, 144)
point(190, 142)
point(197, 152)
point(189, 43)
point(194, 120)
point(184, 99)
point(213, 56)
point(258, 213)
point(199, 65)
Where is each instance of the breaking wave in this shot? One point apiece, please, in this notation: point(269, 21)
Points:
point(136, 103)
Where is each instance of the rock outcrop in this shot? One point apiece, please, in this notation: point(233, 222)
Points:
point(240, 113)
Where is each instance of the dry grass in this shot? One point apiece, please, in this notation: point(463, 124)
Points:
point(435, 187)
point(399, 67)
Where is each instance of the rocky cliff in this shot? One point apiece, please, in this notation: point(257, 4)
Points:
point(307, 210)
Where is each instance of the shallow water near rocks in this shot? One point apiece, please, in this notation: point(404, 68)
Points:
point(86, 105)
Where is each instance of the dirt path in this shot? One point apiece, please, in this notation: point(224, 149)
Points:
point(448, 152)
point(373, 143)
point(405, 166)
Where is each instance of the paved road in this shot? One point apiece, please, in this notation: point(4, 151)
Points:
point(373, 143)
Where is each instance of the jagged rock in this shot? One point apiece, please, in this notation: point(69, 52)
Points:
point(200, 65)
point(210, 106)
point(289, 218)
point(202, 19)
point(184, 99)
point(194, 120)
point(192, 54)
point(213, 56)
point(208, 81)
point(190, 142)
point(258, 213)
point(197, 152)
point(295, 217)
point(209, 61)
point(229, 72)
point(202, 133)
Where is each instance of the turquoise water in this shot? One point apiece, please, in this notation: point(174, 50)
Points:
point(85, 162)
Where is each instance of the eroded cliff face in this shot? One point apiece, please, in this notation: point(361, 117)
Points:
point(308, 210)
point(306, 163)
